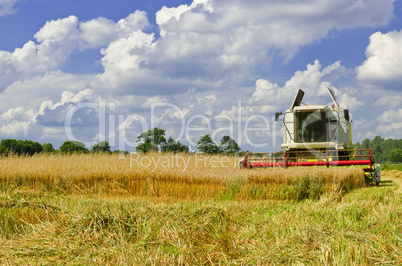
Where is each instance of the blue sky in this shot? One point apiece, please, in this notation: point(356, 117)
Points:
point(205, 57)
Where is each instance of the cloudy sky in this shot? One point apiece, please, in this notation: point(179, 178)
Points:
point(102, 70)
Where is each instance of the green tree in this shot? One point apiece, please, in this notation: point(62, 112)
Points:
point(3, 150)
point(9, 144)
point(73, 146)
point(229, 146)
point(47, 147)
point(21, 147)
point(387, 146)
point(395, 156)
point(102, 146)
point(399, 144)
point(29, 147)
point(357, 145)
point(207, 145)
point(172, 146)
point(380, 147)
point(366, 144)
point(375, 145)
point(151, 140)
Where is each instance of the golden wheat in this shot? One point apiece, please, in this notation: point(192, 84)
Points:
point(50, 214)
point(164, 175)
point(392, 173)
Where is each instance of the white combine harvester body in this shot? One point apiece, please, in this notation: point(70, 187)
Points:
point(316, 126)
point(316, 135)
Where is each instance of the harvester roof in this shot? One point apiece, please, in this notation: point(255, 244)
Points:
point(310, 108)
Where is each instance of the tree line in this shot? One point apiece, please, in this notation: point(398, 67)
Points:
point(151, 140)
point(384, 150)
point(155, 140)
point(29, 147)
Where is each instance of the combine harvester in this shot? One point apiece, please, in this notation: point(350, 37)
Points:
point(316, 135)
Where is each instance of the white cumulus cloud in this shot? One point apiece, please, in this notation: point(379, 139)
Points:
point(207, 57)
point(390, 123)
point(101, 31)
point(313, 81)
point(57, 40)
point(384, 58)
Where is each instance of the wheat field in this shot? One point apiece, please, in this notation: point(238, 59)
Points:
point(159, 209)
point(181, 176)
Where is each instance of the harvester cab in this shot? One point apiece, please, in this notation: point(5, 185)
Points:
point(315, 135)
point(315, 126)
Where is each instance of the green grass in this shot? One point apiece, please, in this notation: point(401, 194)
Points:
point(390, 166)
point(45, 227)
